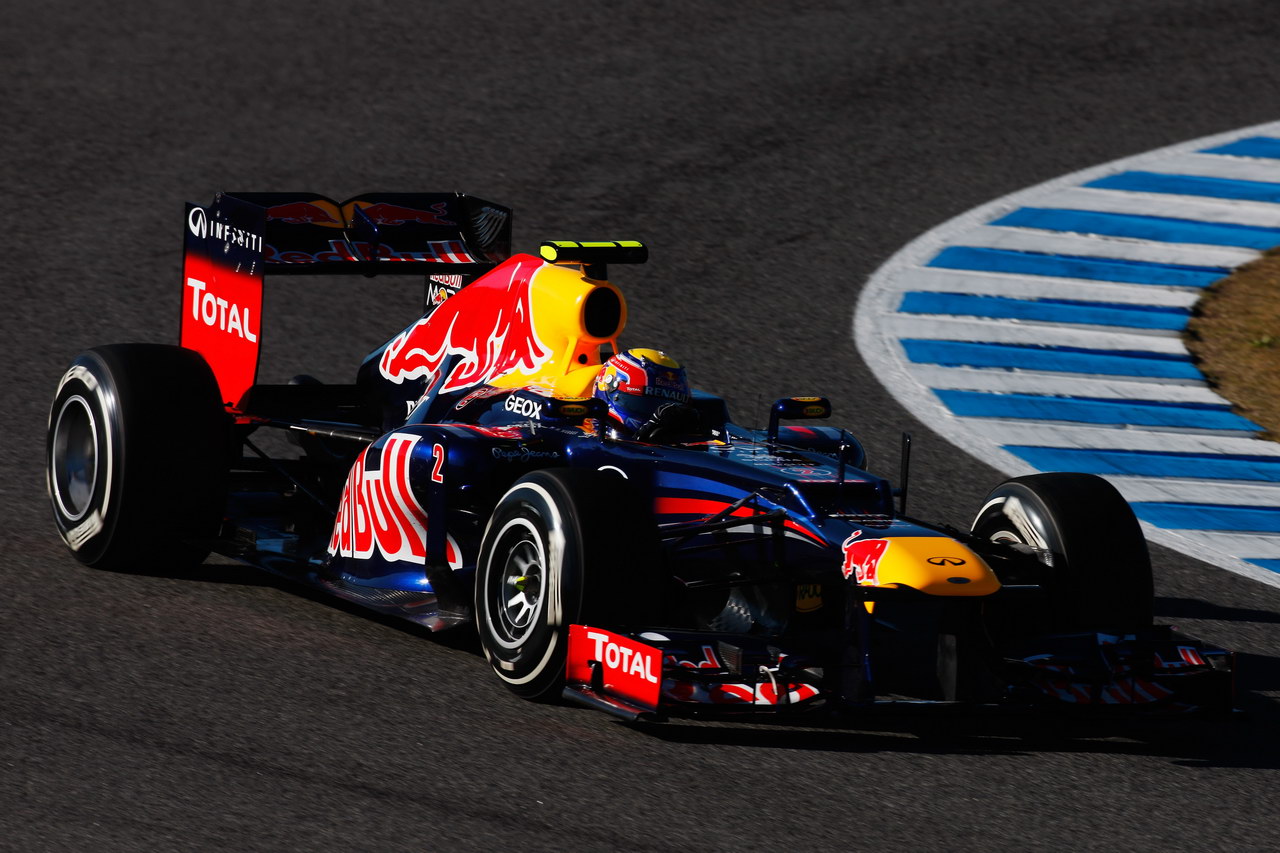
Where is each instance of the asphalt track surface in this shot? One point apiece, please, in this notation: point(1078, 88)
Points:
point(772, 155)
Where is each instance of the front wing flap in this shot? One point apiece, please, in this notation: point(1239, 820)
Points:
point(1156, 670)
point(655, 673)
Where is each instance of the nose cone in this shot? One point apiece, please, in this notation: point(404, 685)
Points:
point(935, 565)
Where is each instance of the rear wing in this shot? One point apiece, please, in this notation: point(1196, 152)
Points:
point(232, 244)
point(307, 233)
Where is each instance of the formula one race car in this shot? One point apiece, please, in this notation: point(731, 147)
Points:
point(615, 538)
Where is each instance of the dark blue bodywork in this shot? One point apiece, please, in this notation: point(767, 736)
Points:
point(799, 476)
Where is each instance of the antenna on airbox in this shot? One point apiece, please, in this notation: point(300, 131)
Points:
point(903, 473)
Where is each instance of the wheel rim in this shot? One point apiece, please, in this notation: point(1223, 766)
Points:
point(1006, 537)
point(516, 589)
point(75, 458)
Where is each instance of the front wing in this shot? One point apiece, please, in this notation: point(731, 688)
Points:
point(659, 673)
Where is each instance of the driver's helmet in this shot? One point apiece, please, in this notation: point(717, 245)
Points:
point(634, 384)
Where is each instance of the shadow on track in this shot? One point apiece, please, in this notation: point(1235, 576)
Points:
point(1190, 608)
point(231, 572)
point(1247, 739)
point(1241, 742)
point(1250, 739)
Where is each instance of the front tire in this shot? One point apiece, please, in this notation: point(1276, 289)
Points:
point(1095, 567)
point(136, 457)
point(553, 554)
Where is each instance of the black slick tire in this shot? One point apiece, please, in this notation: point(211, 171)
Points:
point(136, 457)
point(1095, 567)
point(561, 547)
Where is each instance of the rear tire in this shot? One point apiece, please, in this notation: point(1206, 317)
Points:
point(1097, 572)
point(136, 457)
point(561, 547)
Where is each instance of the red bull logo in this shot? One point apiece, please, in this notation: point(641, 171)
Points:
point(379, 513)
point(302, 213)
point(441, 287)
point(862, 558)
point(383, 213)
point(489, 323)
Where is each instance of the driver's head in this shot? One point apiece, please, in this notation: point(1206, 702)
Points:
point(634, 384)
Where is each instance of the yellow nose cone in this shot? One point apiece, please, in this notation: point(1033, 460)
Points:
point(935, 565)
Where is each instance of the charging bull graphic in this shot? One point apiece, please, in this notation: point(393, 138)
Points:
point(862, 557)
point(489, 323)
point(383, 213)
point(305, 213)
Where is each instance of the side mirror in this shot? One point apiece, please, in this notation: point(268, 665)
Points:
point(797, 408)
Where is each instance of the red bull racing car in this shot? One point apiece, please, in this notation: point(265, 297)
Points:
point(615, 538)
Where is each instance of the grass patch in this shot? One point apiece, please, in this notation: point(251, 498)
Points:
point(1234, 336)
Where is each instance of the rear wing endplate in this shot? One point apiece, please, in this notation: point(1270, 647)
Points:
point(241, 237)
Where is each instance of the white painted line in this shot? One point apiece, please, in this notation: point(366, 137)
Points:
point(1118, 248)
point(1063, 385)
point(1048, 429)
point(1102, 438)
point(1196, 208)
point(1216, 553)
point(936, 279)
point(1255, 546)
point(945, 328)
point(1198, 491)
point(1219, 166)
